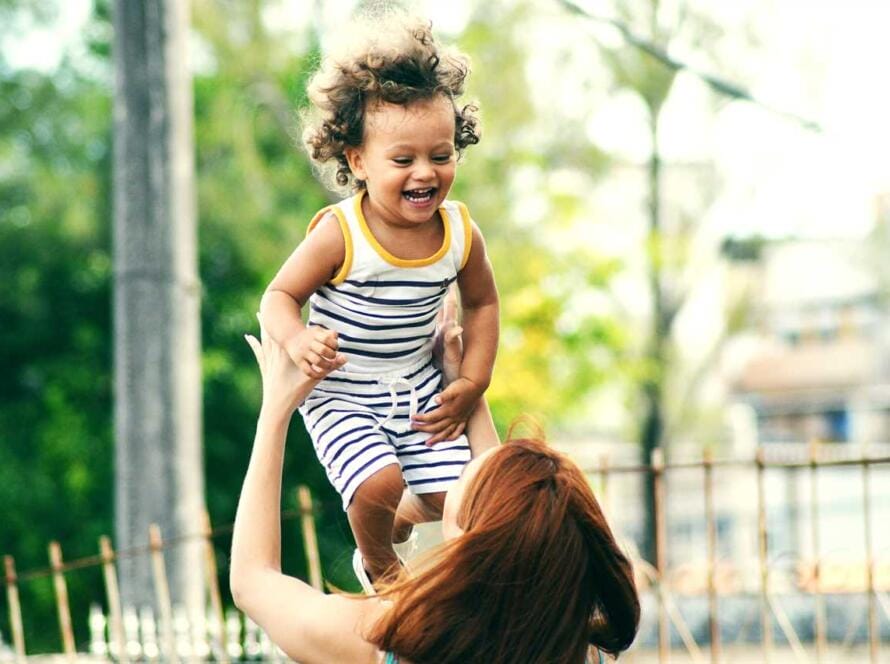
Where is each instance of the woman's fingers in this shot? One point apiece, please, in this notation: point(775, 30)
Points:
point(263, 333)
point(323, 350)
point(453, 333)
point(311, 370)
point(255, 346)
point(327, 338)
point(449, 308)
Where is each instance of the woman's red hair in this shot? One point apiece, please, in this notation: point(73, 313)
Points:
point(536, 577)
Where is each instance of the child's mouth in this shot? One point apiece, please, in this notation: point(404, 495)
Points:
point(420, 196)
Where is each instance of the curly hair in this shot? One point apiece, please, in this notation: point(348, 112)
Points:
point(393, 60)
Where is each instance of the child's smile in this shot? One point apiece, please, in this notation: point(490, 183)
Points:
point(420, 197)
point(407, 160)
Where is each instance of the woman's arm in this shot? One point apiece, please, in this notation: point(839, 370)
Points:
point(448, 351)
point(480, 429)
point(307, 624)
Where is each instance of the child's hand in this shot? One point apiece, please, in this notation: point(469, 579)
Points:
point(314, 350)
point(284, 385)
point(449, 419)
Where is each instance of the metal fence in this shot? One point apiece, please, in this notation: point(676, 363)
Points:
point(799, 613)
point(790, 596)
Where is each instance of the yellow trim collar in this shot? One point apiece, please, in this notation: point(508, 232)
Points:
point(395, 260)
point(468, 233)
point(343, 272)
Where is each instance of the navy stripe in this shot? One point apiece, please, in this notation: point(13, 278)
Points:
point(392, 302)
point(351, 414)
point(377, 395)
point(390, 432)
point(365, 326)
point(311, 409)
point(433, 465)
point(432, 479)
point(353, 476)
point(443, 283)
point(379, 404)
point(427, 449)
point(348, 350)
point(369, 314)
point(343, 410)
point(402, 434)
point(342, 434)
point(353, 381)
point(384, 404)
point(380, 440)
point(395, 340)
point(343, 444)
point(343, 466)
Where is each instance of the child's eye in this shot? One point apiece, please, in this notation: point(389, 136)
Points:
point(402, 161)
point(442, 158)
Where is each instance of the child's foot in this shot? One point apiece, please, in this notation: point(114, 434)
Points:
point(407, 549)
point(358, 566)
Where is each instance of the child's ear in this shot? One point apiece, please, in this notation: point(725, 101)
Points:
point(356, 163)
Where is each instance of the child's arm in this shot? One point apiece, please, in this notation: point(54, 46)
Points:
point(313, 263)
point(479, 299)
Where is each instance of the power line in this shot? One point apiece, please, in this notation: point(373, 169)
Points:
point(716, 83)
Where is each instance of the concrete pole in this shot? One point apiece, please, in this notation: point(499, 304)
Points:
point(157, 342)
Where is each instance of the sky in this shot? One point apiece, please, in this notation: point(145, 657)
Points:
point(814, 58)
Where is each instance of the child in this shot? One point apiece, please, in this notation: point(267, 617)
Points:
point(375, 269)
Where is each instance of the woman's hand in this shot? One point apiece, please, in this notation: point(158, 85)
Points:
point(285, 386)
point(448, 348)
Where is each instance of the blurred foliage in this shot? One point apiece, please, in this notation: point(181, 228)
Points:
point(256, 193)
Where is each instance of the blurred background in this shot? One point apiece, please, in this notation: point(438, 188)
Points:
point(687, 206)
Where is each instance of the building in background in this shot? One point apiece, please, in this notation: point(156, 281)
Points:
point(821, 368)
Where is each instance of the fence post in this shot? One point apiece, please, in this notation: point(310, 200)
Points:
point(310, 541)
point(116, 617)
point(873, 633)
point(657, 462)
point(55, 559)
point(15, 609)
point(213, 584)
point(766, 623)
point(162, 591)
point(711, 525)
point(819, 616)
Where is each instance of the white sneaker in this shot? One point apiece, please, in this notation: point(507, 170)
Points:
point(408, 549)
point(358, 566)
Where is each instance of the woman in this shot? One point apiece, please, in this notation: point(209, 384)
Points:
point(529, 573)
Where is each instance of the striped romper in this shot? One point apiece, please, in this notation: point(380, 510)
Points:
point(384, 309)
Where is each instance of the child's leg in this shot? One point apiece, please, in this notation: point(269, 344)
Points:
point(414, 509)
point(371, 514)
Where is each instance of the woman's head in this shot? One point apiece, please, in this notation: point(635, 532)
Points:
point(533, 573)
point(374, 65)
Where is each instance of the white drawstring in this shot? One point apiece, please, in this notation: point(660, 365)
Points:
point(393, 382)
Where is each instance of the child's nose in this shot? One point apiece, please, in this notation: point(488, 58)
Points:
point(424, 170)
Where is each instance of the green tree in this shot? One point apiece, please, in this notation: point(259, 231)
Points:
point(553, 351)
point(665, 389)
point(256, 193)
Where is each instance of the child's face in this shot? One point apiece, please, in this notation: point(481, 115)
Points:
point(407, 159)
